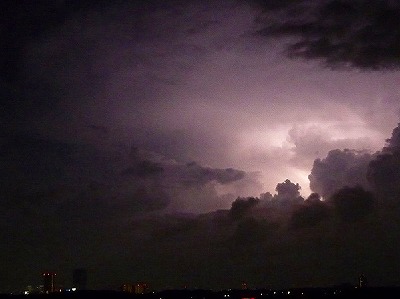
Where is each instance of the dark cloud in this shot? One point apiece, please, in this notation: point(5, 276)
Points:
point(288, 191)
point(276, 209)
point(242, 206)
point(342, 33)
point(311, 213)
point(193, 173)
point(37, 167)
point(353, 182)
point(384, 171)
point(267, 196)
point(378, 172)
point(311, 142)
point(313, 197)
point(384, 174)
point(340, 168)
point(393, 143)
point(352, 203)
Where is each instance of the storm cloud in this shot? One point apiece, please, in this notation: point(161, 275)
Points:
point(172, 142)
point(340, 168)
point(35, 165)
point(341, 33)
point(384, 171)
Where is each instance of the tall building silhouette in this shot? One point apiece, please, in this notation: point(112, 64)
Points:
point(49, 282)
point(79, 279)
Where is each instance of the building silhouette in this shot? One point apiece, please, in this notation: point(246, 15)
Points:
point(79, 279)
point(49, 282)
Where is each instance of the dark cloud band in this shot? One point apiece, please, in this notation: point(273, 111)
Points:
point(360, 34)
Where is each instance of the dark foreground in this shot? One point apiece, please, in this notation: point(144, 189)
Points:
point(324, 293)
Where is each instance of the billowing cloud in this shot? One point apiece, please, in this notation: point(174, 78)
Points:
point(306, 234)
point(377, 172)
point(341, 33)
point(384, 171)
point(241, 206)
point(275, 227)
point(287, 191)
point(196, 174)
point(315, 141)
point(340, 168)
point(393, 143)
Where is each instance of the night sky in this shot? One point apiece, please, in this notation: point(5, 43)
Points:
point(200, 143)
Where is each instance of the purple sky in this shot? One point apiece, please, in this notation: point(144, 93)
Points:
point(123, 120)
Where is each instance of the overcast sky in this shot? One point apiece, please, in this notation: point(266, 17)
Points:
point(129, 129)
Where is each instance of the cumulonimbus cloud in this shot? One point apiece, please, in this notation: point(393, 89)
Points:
point(340, 168)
